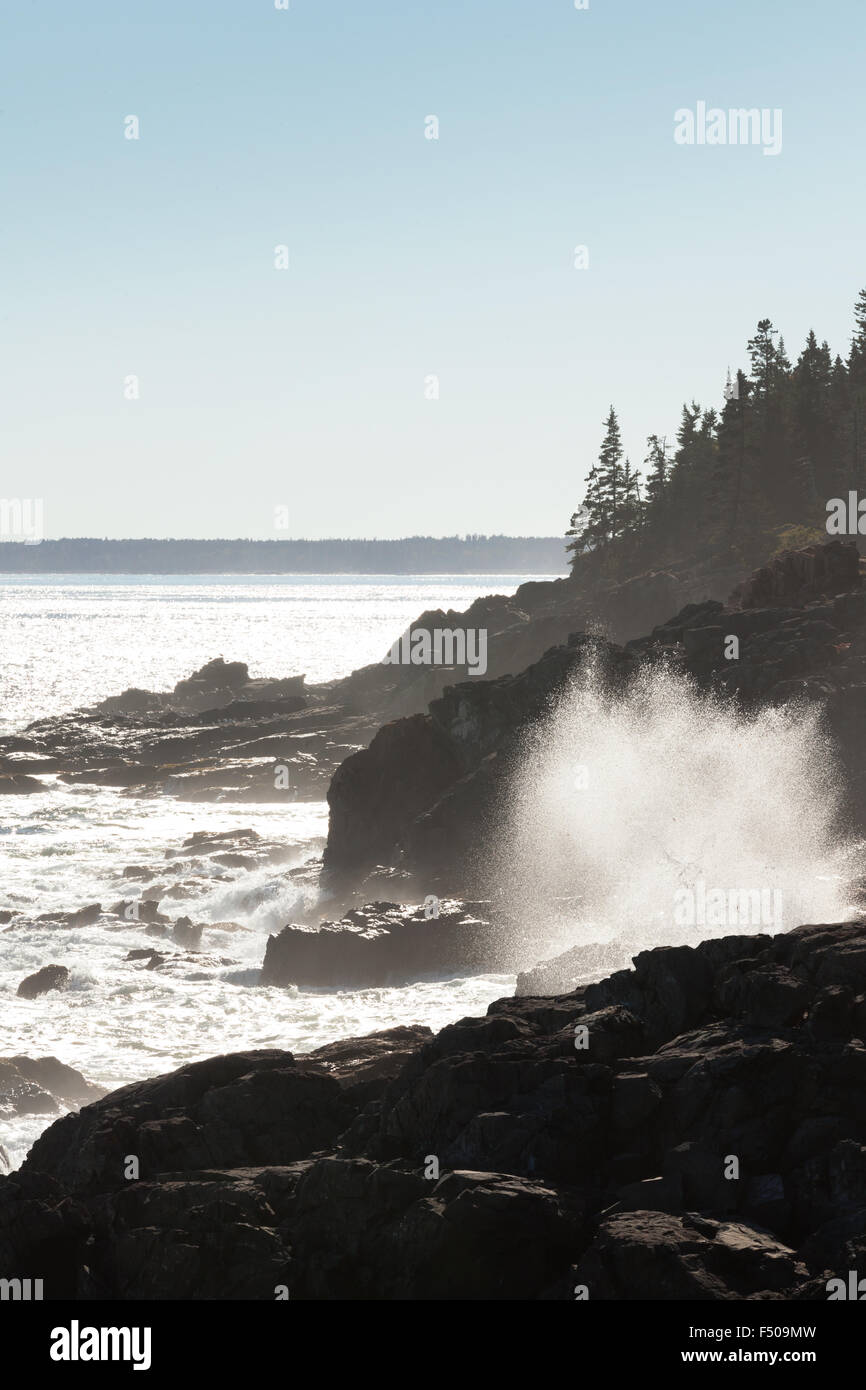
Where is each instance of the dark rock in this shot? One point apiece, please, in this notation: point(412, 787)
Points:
point(215, 1236)
point(832, 1013)
point(187, 933)
point(86, 916)
point(702, 643)
point(635, 1097)
point(652, 1255)
point(62, 1081)
point(839, 1245)
point(703, 1138)
point(204, 840)
point(574, 967)
point(377, 792)
point(363, 1066)
point(471, 1235)
point(798, 575)
point(382, 943)
point(22, 1096)
point(246, 1108)
point(131, 701)
point(214, 675)
point(767, 995)
point(18, 783)
point(49, 977)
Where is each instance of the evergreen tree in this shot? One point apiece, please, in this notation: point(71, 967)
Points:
point(774, 475)
point(631, 508)
point(763, 357)
point(732, 481)
point(785, 441)
point(657, 464)
point(610, 478)
point(585, 524)
point(858, 342)
point(813, 426)
point(856, 425)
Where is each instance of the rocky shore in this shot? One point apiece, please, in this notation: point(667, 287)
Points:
point(688, 1125)
point(221, 735)
point(427, 795)
point(690, 1128)
point(416, 801)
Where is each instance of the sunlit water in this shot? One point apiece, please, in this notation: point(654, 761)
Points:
point(67, 641)
point(65, 644)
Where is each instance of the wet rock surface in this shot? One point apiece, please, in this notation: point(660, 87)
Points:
point(385, 944)
point(42, 981)
point(218, 736)
point(705, 1139)
point(796, 631)
point(42, 1086)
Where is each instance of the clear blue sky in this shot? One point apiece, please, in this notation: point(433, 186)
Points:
point(408, 257)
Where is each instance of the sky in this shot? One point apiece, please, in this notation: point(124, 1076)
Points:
point(436, 358)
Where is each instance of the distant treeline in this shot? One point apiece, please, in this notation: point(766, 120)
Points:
point(412, 555)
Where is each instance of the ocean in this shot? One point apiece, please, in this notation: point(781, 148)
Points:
point(67, 641)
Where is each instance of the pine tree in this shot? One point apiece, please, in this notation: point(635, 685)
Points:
point(586, 523)
point(610, 476)
point(856, 425)
point(657, 464)
point(763, 356)
point(775, 477)
point(732, 482)
point(631, 509)
point(858, 342)
point(812, 426)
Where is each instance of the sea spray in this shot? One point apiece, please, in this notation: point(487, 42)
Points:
point(631, 805)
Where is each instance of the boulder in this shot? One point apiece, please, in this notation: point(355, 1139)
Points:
point(61, 1081)
point(247, 1108)
point(654, 1255)
point(383, 944)
point(22, 1096)
point(49, 977)
point(18, 783)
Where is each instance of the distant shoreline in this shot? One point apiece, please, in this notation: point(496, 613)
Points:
point(414, 555)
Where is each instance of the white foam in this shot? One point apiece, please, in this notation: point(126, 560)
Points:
point(681, 787)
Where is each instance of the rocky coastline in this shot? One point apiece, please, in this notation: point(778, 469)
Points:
point(686, 1125)
point(690, 1128)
